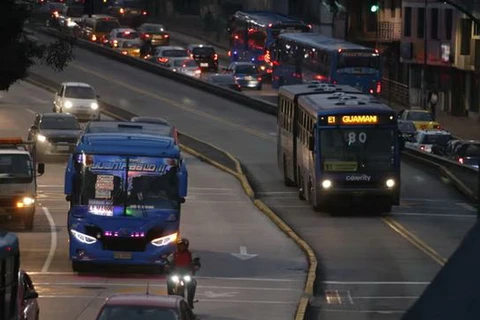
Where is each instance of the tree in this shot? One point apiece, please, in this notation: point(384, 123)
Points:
point(20, 51)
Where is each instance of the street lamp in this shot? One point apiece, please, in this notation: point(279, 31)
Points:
point(374, 8)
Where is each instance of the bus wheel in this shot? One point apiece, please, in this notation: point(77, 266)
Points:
point(79, 267)
point(286, 180)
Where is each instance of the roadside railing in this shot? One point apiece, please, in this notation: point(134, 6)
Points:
point(394, 91)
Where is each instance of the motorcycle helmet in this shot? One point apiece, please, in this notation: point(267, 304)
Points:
point(183, 241)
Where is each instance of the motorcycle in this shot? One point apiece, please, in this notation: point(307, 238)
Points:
point(181, 279)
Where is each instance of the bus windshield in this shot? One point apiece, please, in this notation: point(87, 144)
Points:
point(358, 59)
point(106, 25)
point(128, 186)
point(15, 168)
point(357, 150)
point(279, 29)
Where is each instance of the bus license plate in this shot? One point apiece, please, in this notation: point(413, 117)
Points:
point(203, 64)
point(122, 255)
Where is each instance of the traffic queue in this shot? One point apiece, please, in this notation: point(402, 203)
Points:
point(125, 182)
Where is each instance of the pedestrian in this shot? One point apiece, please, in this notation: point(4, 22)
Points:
point(433, 100)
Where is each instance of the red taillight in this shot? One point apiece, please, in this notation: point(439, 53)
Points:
point(269, 70)
point(162, 60)
point(296, 75)
point(125, 52)
point(229, 53)
point(166, 36)
point(319, 77)
point(261, 58)
point(379, 87)
point(422, 148)
point(460, 160)
point(191, 55)
point(55, 14)
point(8, 248)
point(122, 11)
point(334, 81)
point(147, 35)
point(235, 37)
point(94, 37)
point(215, 56)
point(259, 78)
point(144, 13)
point(371, 91)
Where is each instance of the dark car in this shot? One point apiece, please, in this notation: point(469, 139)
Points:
point(140, 306)
point(27, 298)
point(129, 12)
point(246, 74)
point(54, 134)
point(155, 128)
point(49, 12)
point(156, 33)
point(225, 81)
point(205, 56)
point(407, 130)
point(467, 152)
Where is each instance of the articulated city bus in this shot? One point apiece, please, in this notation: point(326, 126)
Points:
point(339, 147)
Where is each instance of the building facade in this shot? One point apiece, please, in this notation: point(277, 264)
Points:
point(441, 49)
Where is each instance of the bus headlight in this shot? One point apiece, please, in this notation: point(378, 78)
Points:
point(163, 241)
point(68, 104)
point(83, 237)
point(26, 202)
point(326, 184)
point(390, 183)
point(94, 106)
point(41, 138)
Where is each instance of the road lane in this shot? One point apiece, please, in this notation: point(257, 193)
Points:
point(217, 217)
point(354, 248)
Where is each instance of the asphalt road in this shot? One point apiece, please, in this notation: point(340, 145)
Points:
point(361, 256)
point(217, 217)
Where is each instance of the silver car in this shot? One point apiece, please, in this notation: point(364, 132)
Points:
point(188, 67)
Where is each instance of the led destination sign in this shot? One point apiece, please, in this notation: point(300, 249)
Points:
point(357, 119)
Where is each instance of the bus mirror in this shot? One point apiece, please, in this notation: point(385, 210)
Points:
point(41, 169)
point(68, 198)
point(182, 200)
point(311, 143)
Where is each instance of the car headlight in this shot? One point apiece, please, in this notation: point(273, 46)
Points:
point(187, 278)
point(94, 106)
point(41, 138)
point(68, 104)
point(163, 241)
point(390, 183)
point(25, 202)
point(326, 184)
point(83, 237)
point(175, 279)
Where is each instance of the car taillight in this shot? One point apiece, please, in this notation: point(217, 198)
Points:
point(437, 127)
point(334, 81)
point(166, 36)
point(191, 55)
point(144, 13)
point(460, 160)
point(379, 87)
point(198, 71)
point(94, 37)
point(147, 35)
point(371, 91)
point(297, 75)
point(259, 78)
point(215, 56)
point(422, 148)
point(162, 60)
point(125, 52)
point(122, 11)
point(229, 53)
point(261, 58)
point(55, 14)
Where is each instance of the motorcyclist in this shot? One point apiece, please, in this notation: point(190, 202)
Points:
point(182, 259)
point(146, 50)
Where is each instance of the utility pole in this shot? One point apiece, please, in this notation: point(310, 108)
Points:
point(425, 55)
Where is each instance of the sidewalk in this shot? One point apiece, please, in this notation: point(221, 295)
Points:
point(190, 28)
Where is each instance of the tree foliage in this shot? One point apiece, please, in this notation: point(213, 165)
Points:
point(19, 50)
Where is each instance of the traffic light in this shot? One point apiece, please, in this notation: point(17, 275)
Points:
point(374, 8)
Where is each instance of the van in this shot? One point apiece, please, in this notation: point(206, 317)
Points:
point(97, 27)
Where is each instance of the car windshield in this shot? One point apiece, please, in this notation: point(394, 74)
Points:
point(75, 12)
point(223, 79)
point(59, 123)
point(206, 51)
point(127, 35)
point(246, 69)
point(358, 60)
point(126, 312)
point(472, 151)
point(175, 53)
point(185, 63)
point(15, 168)
point(128, 186)
point(106, 26)
point(436, 139)
point(357, 150)
point(152, 28)
point(78, 92)
point(419, 116)
point(127, 45)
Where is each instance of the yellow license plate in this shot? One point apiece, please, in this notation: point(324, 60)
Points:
point(122, 255)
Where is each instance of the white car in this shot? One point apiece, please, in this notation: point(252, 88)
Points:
point(424, 140)
point(163, 54)
point(119, 34)
point(78, 99)
point(188, 67)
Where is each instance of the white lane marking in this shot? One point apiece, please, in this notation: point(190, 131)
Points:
point(364, 311)
point(50, 186)
point(436, 215)
point(203, 300)
point(385, 297)
point(467, 206)
point(39, 273)
point(426, 200)
point(244, 255)
point(53, 240)
point(31, 111)
point(141, 285)
point(277, 192)
point(377, 282)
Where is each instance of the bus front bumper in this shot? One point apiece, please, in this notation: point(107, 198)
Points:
point(360, 195)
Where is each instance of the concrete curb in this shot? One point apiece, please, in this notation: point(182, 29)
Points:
point(242, 178)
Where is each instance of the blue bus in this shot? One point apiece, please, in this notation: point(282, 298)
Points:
point(9, 271)
point(300, 57)
point(252, 32)
point(125, 191)
point(338, 147)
